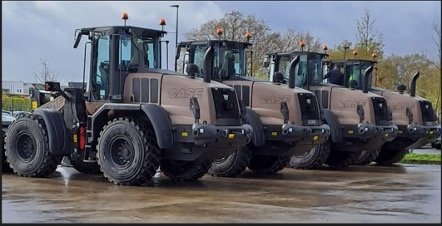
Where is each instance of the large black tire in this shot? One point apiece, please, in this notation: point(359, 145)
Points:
point(232, 165)
point(314, 159)
point(185, 170)
point(366, 157)
point(5, 164)
point(389, 156)
point(85, 167)
point(127, 152)
point(264, 164)
point(27, 148)
point(341, 159)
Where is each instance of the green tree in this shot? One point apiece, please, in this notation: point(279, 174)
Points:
point(368, 41)
point(395, 70)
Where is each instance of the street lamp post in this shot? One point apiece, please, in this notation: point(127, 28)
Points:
point(346, 46)
point(167, 53)
point(176, 29)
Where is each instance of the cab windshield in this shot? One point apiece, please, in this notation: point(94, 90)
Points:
point(228, 61)
point(137, 53)
point(354, 74)
point(228, 56)
point(309, 70)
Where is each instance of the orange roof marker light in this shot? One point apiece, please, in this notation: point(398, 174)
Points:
point(325, 48)
point(124, 16)
point(219, 32)
point(248, 35)
point(162, 23)
point(302, 44)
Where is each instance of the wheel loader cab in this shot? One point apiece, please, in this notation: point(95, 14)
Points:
point(229, 58)
point(115, 52)
point(308, 70)
point(354, 72)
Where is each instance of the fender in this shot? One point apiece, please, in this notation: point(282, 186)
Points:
point(59, 138)
point(335, 128)
point(156, 114)
point(161, 124)
point(251, 118)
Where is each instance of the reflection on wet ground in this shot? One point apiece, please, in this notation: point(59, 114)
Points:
point(358, 194)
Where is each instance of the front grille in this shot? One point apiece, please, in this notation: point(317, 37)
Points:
point(309, 109)
point(226, 104)
point(427, 111)
point(381, 113)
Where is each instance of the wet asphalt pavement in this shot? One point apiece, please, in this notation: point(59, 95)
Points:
point(405, 193)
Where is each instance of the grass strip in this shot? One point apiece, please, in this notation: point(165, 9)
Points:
point(414, 158)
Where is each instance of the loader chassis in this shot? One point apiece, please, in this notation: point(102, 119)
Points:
point(413, 115)
point(285, 120)
point(358, 120)
point(133, 117)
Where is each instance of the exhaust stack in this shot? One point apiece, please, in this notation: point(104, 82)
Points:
point(366, 77)
point(412, 90)
point(208, 64)
point(292, 72)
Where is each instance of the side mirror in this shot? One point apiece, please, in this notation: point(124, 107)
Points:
point(278, 77)
point(87, 96)
point(192, 70)
point(194, 106)
point(266, 61)
point(55, 87)
point(285, 111)
point(401, 88)
point(52, 86)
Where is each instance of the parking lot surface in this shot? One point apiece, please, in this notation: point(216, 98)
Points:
point(359, 194)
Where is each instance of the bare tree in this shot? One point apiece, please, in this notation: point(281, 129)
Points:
point(367, 38)
point(235, 25)
point(46, 74)
point(437, 39)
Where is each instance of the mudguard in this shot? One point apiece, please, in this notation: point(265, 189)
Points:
point(251, 118)
point(161, 124)
point(335, 128)
point(58, 135)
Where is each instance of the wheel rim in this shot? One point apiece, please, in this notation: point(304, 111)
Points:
point(122, 151)
point(224, 159)
point(304, 154)
point(364, 153)
point(26, 146)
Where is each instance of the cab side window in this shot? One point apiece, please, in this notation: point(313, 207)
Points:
point(102, 71)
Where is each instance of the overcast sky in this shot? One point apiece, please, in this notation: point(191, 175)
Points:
point(32, 31)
